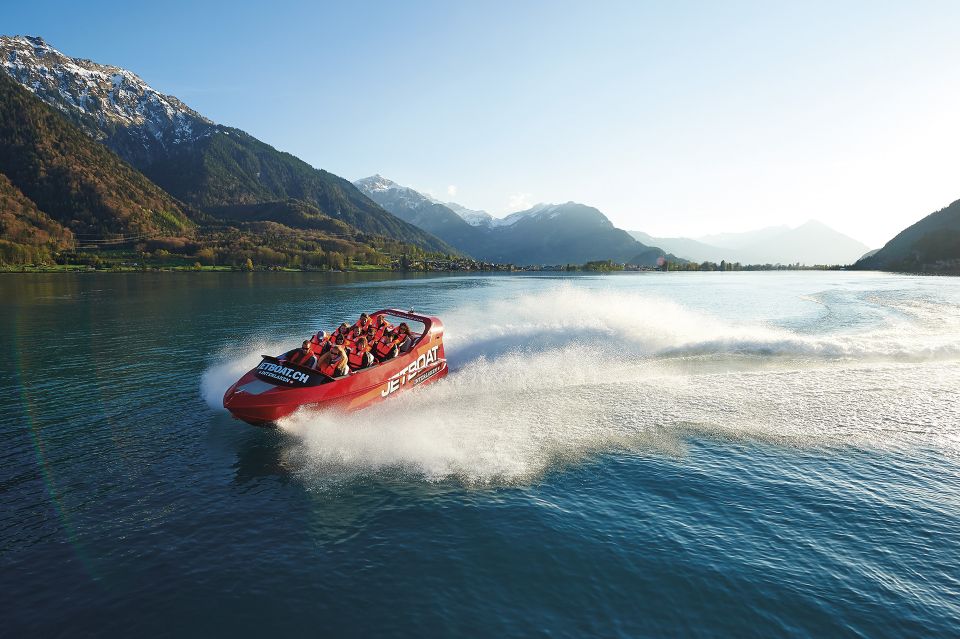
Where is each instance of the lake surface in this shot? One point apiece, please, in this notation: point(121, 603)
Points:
point(715, 454)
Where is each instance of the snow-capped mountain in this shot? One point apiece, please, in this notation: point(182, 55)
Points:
point(111, 104)
point(418, 209)
point(472, 217)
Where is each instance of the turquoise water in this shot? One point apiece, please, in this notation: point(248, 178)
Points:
point(716, 454)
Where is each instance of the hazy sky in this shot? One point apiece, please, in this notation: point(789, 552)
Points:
point(676, 118)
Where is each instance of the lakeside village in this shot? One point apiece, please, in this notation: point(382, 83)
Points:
point(133, 262)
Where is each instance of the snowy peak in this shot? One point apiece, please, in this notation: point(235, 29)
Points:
point(376, 183)
point(568, 212)
point(100, 97)
point(472, 217)
point(385, 189)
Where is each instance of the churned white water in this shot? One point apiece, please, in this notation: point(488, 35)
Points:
point(546, 373)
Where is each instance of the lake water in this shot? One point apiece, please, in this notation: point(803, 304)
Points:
point(715, 454)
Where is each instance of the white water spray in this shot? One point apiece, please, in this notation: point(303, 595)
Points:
point(561, 375)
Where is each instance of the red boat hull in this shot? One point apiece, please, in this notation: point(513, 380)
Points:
point(274, 389)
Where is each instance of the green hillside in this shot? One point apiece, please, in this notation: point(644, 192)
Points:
point(75, 181)
point(27, 234)
point(230, 167)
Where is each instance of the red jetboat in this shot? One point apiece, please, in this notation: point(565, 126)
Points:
point(276, 388)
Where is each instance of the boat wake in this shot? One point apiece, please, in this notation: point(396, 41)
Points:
point(569, 373)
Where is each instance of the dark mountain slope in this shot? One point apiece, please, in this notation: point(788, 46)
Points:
point(564, 233)
point(932, 245)
point(421, 211)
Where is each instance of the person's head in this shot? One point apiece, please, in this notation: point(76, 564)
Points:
point(340, 339)
point(364, 318)
point(381, 320)
point(306, 345)
point(343, 327)
point(336, 354)
point(361, 343)
point(321, 335)
point(404, 328)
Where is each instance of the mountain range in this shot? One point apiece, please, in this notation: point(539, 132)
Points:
point(209, 167)
point(811, 243)
point(544, 234)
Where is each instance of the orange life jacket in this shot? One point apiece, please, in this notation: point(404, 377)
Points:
point(385, 346)
point(331, 368)
point(380, 331)
point(318, 347)
point(300, 358)
point(357, 358)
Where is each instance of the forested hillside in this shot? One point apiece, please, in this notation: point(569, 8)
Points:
point(75, 181)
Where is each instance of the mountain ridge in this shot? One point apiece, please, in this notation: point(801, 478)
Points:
point(199, 162)
point(811, 243)
point(543, 234)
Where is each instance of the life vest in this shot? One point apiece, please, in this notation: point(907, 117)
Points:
point(380, 331)
point(331, 368)
point(300, 358)
point(385, 346)
point(357, 358)
point(319, 347)
point(360, 327)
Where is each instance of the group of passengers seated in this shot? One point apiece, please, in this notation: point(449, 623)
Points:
point(370, 341)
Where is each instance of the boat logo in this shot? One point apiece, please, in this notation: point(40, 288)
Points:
point(282, 373)
point(409, 372)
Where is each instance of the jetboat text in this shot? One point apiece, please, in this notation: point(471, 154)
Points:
point(409, 373)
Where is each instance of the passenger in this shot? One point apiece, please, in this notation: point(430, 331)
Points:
point(387, 347)
point(406, 340)
point(302, 356)
point(349, 340)
point(371, 335)
point(360, 357)
point(343, 329)
point(381, 326)
point(334, 363)
point(320, 343)
point(360, 328)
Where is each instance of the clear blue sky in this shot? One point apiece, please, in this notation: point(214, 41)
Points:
point(677, 118)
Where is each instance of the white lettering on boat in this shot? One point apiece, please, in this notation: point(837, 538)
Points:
point(282, 373)
point(409, 372)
